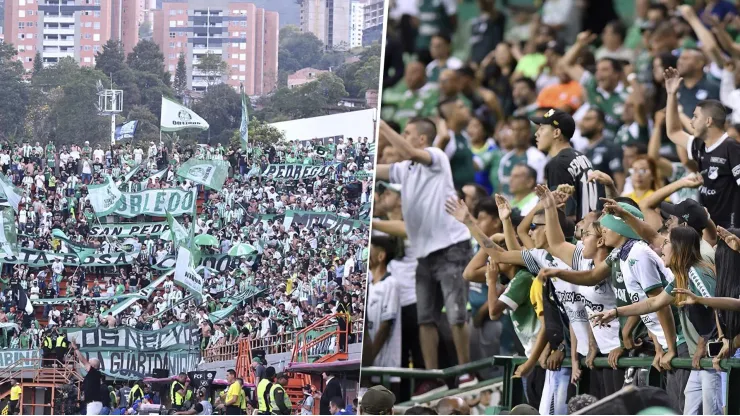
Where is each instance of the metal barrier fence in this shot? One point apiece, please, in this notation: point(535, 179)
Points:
point(513, 391)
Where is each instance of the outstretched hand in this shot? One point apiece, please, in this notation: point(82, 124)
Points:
point(612, 207)
point(601, 178)
point(504, 208)
point(729, 238)
point(672, 80)
point(545, 196)
point(458, 209)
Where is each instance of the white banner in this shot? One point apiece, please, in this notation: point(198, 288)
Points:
point(105, 197)
point(185, 275)
point(175, 116)
point(157, 202)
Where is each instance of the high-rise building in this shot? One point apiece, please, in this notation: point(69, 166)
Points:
point(57, 29)
point(128, 15)
point(358, 23)
point(329, 20)
point(244, 36)
point(374, 19)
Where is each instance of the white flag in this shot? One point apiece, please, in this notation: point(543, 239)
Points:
point(12, 194)
point(104, 198)
point(185, 275)
point(177, 117)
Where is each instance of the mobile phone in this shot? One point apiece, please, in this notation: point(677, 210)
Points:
point(713, 348)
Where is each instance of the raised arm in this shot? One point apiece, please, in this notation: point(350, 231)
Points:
point(725, 304)
point(523, 229)
point(673, 122)
point(568, 62)
point(557, 246)
point(504, 213)
point(475, 271)
point(665, 168)
point(403, 147)
point(653, 200)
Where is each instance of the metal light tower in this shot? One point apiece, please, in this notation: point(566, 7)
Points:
point(110, 103)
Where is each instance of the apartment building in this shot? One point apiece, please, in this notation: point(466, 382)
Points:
point(127, 16)
point(374, 19)
point(329, 20)
point(245, 36)
point(58, 29)
point(358, 23)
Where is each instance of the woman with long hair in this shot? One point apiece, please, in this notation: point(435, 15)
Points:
point(645, 178)
point(681, 254)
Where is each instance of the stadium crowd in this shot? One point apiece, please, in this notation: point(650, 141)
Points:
point(560, 182)
point(297, 274)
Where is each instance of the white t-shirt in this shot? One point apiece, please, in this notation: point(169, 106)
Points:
point(403, 270)
point(567, 293)
point(425, 190)
point(598, 298)
point(383, 304)
point(642, 272)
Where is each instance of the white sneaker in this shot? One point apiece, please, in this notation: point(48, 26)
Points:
point(466, 380)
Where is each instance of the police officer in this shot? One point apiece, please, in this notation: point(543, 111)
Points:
point(48, 347)
point(264, 388)
point(279, 400)
point(137, 392)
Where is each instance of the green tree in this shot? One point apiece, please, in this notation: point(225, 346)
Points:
point(181, 76)
point(152, 89)
point(112, 58)
point(313, 99)
point(259, 132)
point(15, 94)
point(75, 114)
point(298, 50)
point(368, 75)
point(213, 66)
point(38, 63)
point(148, 128)
point(147, 57)
point(221, 107)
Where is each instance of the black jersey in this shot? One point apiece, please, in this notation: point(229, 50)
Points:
point(571, 167)
point(720, 167)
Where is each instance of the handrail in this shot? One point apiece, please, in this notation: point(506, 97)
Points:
point(513, 391)
point(302, 345)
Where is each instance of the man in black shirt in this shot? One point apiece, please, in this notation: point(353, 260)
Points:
point(91, 390)
point(717, 154)
point(567, 166)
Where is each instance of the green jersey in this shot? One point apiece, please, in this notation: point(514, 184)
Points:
point(631, 134)
point(516, 297)
point(434, 18)
point(419, 103)
point(611, 103)
point(620, 290)
point(461, 161)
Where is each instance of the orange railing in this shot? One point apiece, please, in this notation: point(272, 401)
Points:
point(326, 336)
point(221, 352)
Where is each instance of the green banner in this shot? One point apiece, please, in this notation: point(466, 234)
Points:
point(218, 262)
point(326, 220)
point(128, 353)
point(8, 358)
point(297, 171)
point(39, 258)
point(363, 175)
point(137, 229)
point(8, 232)
point(209, 173)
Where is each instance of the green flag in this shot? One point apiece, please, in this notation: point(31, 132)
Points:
point(209, 173)
point(244, 128)
point(127, 177)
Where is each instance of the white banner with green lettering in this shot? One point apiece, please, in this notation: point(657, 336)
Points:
point(155, 202)
point(104, 197)
point(134, 229)
point(296, 171)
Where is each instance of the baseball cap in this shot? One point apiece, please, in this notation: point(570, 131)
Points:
point(378, 400)
point(524, 409)
point(558, 119)
point(556, 46)
point(688, 211)
point(618, 225)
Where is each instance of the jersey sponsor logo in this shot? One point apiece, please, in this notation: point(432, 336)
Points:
point(620, 277)
point(622, 295)
point(719, 160)
point(706, 191)
point(702, 95)
point(713, 172)
point(736, 170)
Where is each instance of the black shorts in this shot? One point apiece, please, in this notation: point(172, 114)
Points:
point(233, 410)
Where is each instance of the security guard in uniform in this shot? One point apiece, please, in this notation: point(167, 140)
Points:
point(137, 393)
point(48, 347)
point(264, 388)
point(61, 347)
point(177, 391)
point(279, 400)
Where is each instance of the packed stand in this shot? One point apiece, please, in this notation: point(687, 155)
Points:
point(298, 275)
point(596, 151)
